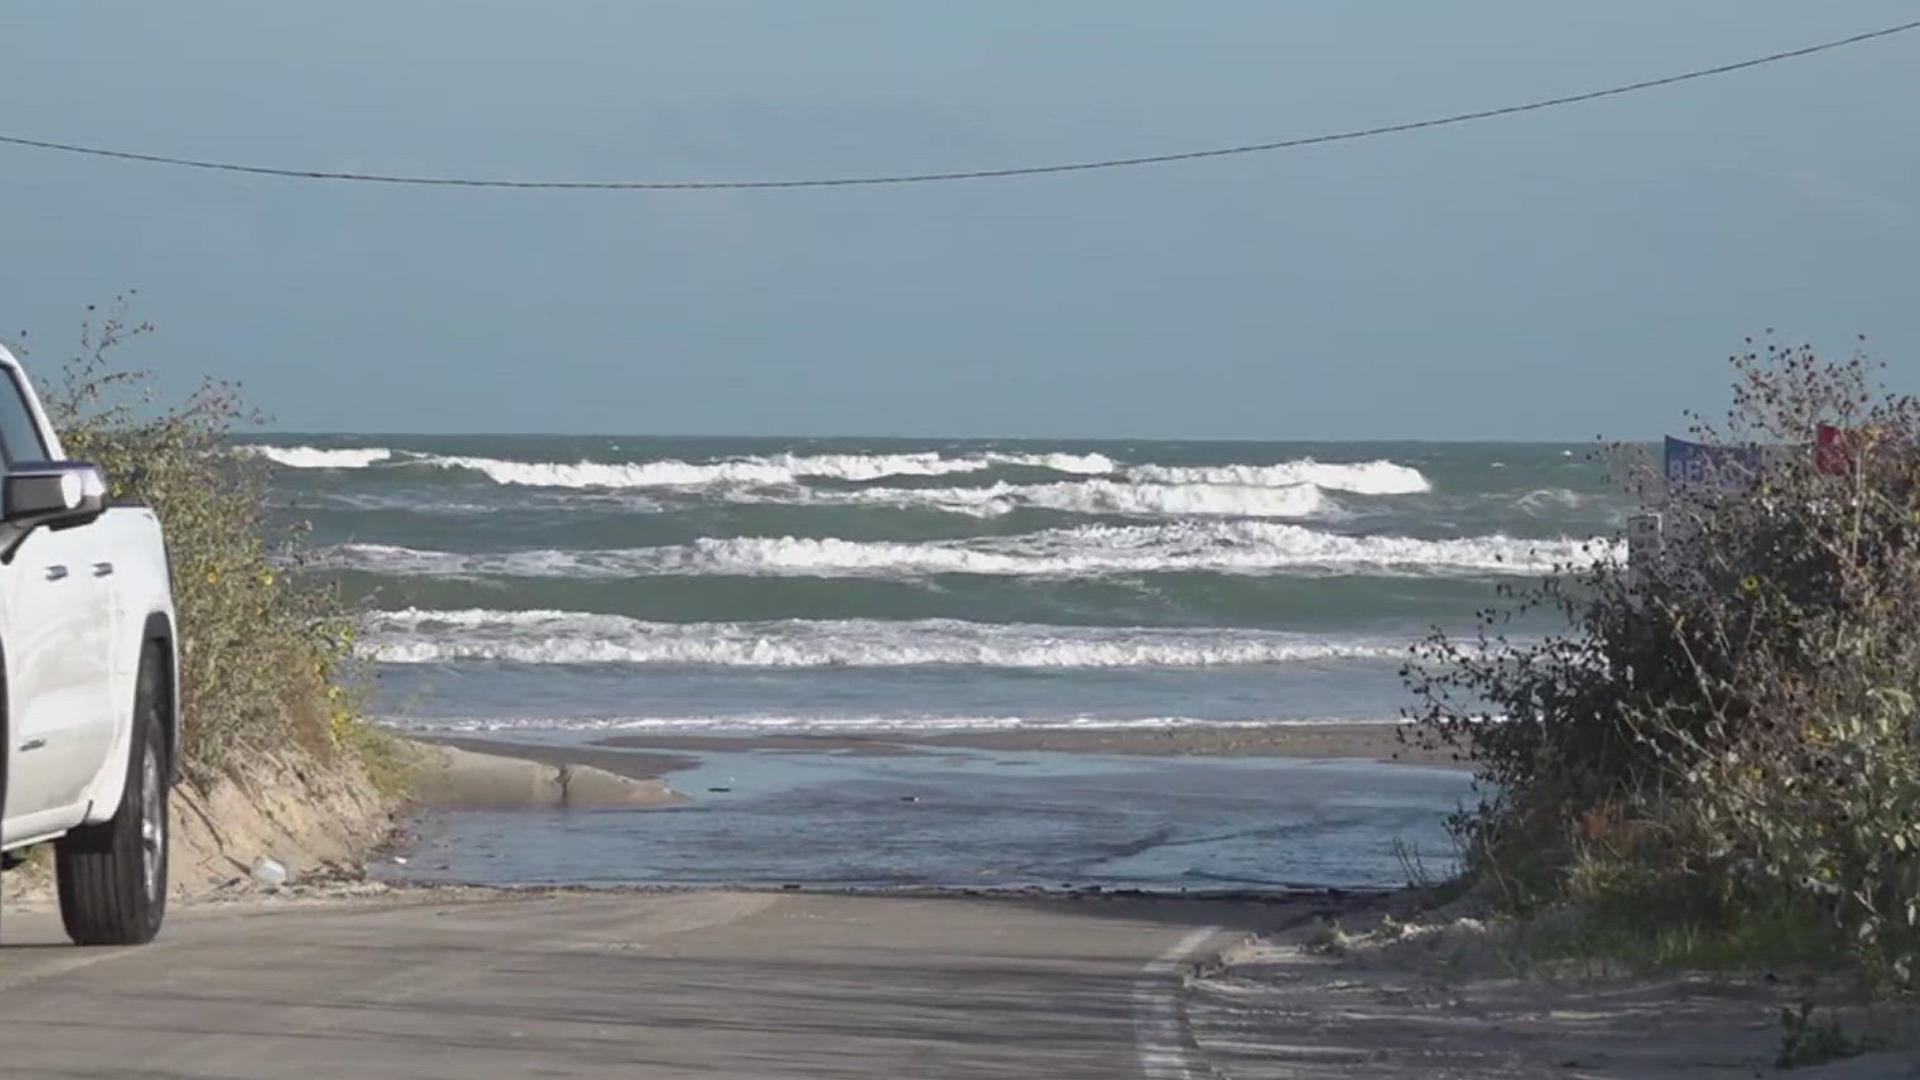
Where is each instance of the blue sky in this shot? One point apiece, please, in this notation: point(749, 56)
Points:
point(1554, 276)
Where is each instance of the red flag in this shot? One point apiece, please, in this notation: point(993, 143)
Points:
point(1834, 449)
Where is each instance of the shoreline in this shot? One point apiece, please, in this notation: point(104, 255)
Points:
point(1362, 741)
point(631, 764)
point(474, 774)
point(461, 772)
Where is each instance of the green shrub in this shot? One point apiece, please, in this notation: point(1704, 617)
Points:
point(1805, 1041)
point(1729, 727)
point(265, 656)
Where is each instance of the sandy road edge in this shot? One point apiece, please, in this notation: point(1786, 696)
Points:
point(1162, 1036)
point(1183, 1057)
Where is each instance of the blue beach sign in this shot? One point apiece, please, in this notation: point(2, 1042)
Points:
point(1696, 463)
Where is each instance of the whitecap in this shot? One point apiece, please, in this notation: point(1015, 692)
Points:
point(414, 636)
point(1230, 547)
point(316, 457)
point(673, 473)
point(1105, 497)
point(827, 723)
point(1362, 478)
point(1079, 464)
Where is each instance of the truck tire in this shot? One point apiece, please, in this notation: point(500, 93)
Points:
point(113, 876)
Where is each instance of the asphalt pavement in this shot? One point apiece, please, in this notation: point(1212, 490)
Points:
point(474, 985)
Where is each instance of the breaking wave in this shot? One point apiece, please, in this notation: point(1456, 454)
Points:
point(777, 469)
point(828, 723)
point(1108, 497)
point(314, 457)
point(415, 636)
point(1367, 478)
point(1078, 464)
point(1232, 547)
point(774, 470)
point(1360, 478)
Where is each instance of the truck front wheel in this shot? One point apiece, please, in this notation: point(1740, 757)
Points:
point(113, 876)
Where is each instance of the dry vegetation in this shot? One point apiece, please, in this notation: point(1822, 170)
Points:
point(1719, 762)
point(266, 656)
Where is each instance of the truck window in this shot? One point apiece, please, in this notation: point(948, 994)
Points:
point(19, 435)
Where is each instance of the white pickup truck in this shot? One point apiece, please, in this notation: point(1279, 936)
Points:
point(89, 710)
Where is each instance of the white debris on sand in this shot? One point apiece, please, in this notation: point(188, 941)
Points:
point(1442, 999)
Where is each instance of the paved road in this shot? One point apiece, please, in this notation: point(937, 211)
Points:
point(610, 984)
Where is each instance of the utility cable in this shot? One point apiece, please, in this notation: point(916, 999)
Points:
point(967, 174)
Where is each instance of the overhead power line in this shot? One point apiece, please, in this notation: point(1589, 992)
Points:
point(965, 174)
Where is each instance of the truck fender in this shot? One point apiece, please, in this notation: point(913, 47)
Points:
point(6, 739)
point(104, 796)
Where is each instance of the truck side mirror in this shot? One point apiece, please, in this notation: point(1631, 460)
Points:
point(52, 493)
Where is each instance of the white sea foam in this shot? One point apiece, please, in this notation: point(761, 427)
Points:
point(1288, 489)
point(1234, 547)
point(1362, 478)
point(1080, 464)
point(903, 723)
point(763, 471)
point(315, 457)
point(673, 473)
point(565, 637)
point(1550, 500)
point(1109, 497)
point(769, 470)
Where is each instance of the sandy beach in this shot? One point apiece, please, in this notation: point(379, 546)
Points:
point(632, 764)
point(477, 775)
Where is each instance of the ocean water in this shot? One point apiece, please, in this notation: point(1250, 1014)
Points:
point(582, 585)
point(976, 819)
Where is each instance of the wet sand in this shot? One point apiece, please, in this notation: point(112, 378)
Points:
point(888, 745)
point(1375, 742)
point(476, 775)
point(628, 763)
point(927, 817)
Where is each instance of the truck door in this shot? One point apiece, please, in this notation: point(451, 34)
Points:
point(59, 716)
